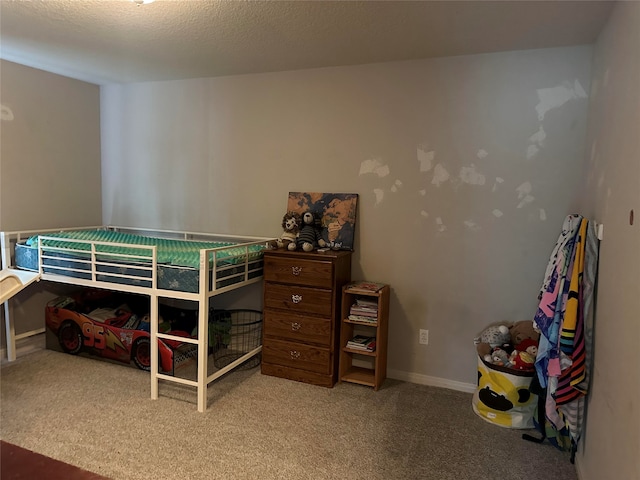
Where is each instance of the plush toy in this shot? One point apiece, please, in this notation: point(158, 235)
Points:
point(484, 351)
point(291, 223)
point(309, 237)
point(494, 335)
point(164, 326)
point(524, 355)
point(500, 357)
point(522, 360)
point(523, 330)
point(528, 345)
point(145, 324)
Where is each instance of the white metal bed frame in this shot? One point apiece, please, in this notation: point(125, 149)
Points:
point(206, 290)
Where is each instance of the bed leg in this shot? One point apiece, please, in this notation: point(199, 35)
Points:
point(203, 354)
point(5, 262)
point(10, 332)
point(154, 346)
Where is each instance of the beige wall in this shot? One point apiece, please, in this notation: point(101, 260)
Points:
point(49, 163)
point(611, 441)
point(50, 150)
point(465, 167)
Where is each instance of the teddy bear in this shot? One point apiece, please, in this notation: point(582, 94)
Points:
point(309, 237)
point(523, 330)
point(291, 223)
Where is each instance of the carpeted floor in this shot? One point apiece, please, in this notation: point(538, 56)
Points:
point(99, 417)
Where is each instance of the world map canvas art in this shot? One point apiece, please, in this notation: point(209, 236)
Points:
point(337, 212)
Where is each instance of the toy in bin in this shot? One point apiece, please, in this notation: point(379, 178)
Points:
point(233, 334)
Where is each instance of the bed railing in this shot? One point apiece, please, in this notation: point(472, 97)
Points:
point(243, 266)
point(9, 240)
point(97, 265)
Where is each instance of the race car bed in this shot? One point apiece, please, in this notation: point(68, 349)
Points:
point(158, 263)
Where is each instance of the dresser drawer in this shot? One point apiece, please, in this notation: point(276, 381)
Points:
point(298, 299)
point(296, 355)
point(298, 271)
point(298, 328)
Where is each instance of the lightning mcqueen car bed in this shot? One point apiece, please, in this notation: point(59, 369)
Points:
point(97, 323)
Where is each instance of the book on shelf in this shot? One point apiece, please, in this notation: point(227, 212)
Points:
point(369, 348)
point(367, 303)
point(362, 342)
point(363, 318)
point(361, 339)
point(365, 287)
point(367, 312)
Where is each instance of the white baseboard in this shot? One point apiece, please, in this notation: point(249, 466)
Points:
point(581, 475)
point(431, 381)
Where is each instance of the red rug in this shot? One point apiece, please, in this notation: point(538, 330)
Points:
point(17, 463)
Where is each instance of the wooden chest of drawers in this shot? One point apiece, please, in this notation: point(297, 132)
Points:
point(302, 295)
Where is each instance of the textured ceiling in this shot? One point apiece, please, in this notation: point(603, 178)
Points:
point(105, 41)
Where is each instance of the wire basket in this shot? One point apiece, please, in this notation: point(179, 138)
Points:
point(234, 333)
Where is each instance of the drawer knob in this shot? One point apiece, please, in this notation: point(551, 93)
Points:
point(295, 326)
point(294, 354)
point(296, 298)
point(296, 270)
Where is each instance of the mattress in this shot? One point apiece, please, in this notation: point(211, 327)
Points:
point(178, 261)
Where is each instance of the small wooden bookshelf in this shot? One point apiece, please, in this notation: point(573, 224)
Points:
point(365, 312)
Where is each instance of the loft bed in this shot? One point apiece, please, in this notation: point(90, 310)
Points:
point(158, 263)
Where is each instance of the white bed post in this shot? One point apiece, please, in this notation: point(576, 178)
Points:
point(154, 345)
point(6, 250)
point(203, 331)
point(10, 332)
point(155, 322)
point(9, 326)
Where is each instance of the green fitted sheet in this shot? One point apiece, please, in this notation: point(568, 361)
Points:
point(180, 253)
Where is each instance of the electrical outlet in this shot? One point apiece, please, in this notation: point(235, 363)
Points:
point(424, 337)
